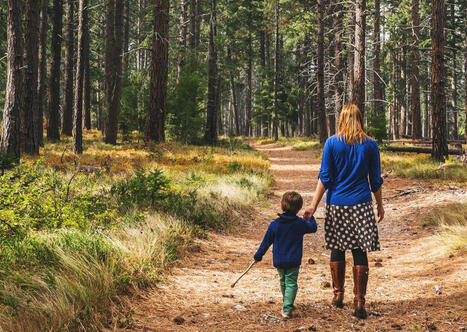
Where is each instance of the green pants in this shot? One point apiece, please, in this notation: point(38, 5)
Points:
point(289, 287)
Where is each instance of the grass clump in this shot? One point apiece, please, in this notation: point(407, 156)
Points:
point(452, 222)
point(421, 166)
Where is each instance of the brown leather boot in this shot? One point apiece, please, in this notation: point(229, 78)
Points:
point(360, 280)
point(338, 281)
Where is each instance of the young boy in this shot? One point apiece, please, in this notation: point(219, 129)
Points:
point(286, 233)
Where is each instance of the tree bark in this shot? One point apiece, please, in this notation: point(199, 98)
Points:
point(415, 77)
point(86, 73)
point(155, 120)
point(339, 88)
point(323, 134)
point(67, 104)
point(275, 126)
point(210, 135)
point(378, 102)
point(78, 102)
point(29, 116)
point(113, 68)
point(403, 95)
point(10, 142)
point(350, 54)
point(53, 107)
point(358, 89)
point(455, 134)
point(438, 80)
point(42, 73)
point(182, 38)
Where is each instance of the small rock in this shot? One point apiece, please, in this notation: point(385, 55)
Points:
point(374, 313)
point(311, 261)
point(325, 284)
point(179, 320)
point(396, 326)
point(389, 257)
point(312, 328)
point(378, 264)
point(239, 307)
point(298, 329)
point(451, 255)
point(228, 295)
point(438, 290)
point(271, 302)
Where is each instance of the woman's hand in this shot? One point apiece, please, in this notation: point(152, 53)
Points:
point(309, 212)
point(380, 209)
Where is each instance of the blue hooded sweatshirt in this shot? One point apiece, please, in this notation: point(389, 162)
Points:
point(286, 233)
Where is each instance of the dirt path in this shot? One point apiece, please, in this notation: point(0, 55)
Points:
point(401, 295)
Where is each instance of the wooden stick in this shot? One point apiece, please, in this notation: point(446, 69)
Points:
point(246, 271)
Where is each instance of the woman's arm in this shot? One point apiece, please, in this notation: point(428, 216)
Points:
point(310, 211)
point(379, 202)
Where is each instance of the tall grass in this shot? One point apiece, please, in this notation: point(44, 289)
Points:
point(68, 249)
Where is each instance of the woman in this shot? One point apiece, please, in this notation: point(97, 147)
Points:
point(350, 171)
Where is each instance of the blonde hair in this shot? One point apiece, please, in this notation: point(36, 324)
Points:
point(351, 125)
point(291, 202)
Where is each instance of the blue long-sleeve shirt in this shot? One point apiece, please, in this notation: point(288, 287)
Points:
point(350, 172)
point(286, 234)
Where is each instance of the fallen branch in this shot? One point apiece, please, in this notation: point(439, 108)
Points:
point(420, 150)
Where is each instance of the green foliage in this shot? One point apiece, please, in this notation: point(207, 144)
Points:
point(184, 120)
point(377, 126)
point(143, 190)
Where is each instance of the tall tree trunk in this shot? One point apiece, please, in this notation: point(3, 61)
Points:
point(210, 135)
point(67, 103)
point(29, 116)
point(10, 142)
point(182, 38)
point(78, 104)
point(438, 80)
point(86, 74)
point(53, 107)
point(465, 73)
point(378, 103)
point(155, 120)
point(455, 134)
point(358, 89)
point(415, 78)
point(323, 134)
point(249, 86)
point(42, 73)
point(351, 53)
point(275, 127)
point(113, 68)
point(403, 94)
point(233, 96)
point(126, 37)
point(339, 89)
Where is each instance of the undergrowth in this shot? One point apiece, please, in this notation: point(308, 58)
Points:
point(77, 233)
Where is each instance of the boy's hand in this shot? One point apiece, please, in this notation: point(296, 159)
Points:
point(309, 212)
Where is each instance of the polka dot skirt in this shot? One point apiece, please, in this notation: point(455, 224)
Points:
point(351, 227)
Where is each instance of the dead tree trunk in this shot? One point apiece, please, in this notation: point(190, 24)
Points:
point(10, 142)
point(378, 102)
point(155, 120)
point(339, 88)
point(67, 104)
point(323, 133)
point(275, 125)
point(438, 81)
point(182, 38)
point(86, 73)
point(53, 108)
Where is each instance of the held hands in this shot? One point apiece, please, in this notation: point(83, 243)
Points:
point(309, 212)
point(380, 209)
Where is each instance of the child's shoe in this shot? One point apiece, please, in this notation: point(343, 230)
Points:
point(286, 314)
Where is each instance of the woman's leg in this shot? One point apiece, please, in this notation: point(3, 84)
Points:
point(359, 257)
point(338, 276)
point(360, 279)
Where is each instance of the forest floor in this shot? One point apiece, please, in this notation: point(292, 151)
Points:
point(404, 275)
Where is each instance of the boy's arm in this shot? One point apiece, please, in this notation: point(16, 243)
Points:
point(311, 226)
point(267, 241)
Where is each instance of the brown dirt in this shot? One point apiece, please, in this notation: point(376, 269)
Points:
point(197, 296)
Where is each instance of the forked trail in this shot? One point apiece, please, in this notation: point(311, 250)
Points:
point(196, 296)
